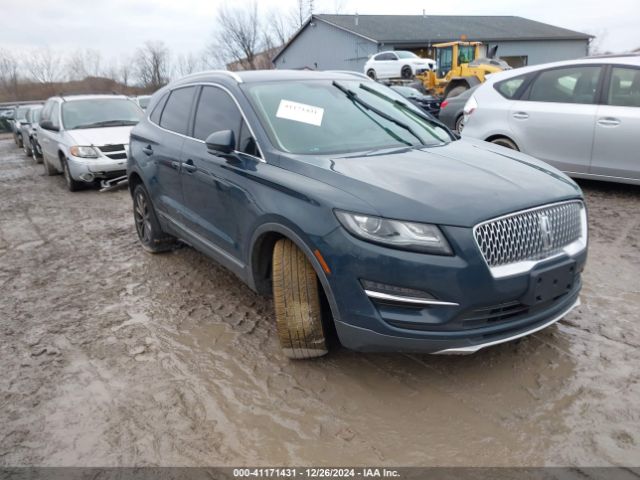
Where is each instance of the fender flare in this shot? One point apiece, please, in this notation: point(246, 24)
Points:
point(273, 227)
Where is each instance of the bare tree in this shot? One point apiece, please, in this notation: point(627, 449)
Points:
point(237, 38)
point(124, 71)
point(278, 29)
point(339, 6)
point(9, 73)
point(187, 63)
point(152, 65)
point(300, 12)
point(595, 44)
point(44, 65)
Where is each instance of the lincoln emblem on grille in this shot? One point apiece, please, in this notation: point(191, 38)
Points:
point(545, 231)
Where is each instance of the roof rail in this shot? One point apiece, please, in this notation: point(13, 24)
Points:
point(231, 74)
point(614, 55)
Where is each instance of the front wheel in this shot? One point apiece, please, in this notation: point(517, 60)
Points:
point(72, 185)
point(150, 233)
point(296, 297)
point(37, 154)
point(19, 141)
point(26, 146)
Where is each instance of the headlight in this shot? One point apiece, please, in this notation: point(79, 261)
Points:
point(84, 152)
point(417, 237)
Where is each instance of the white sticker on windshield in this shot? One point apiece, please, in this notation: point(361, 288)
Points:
point(300, 112)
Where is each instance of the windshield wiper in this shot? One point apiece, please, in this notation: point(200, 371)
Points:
point(353, 96)
point(108, 123)
point(404, 105)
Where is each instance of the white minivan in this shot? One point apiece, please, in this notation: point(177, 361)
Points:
point(86, 137)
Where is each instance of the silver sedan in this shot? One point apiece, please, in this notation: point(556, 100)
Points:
point(582, 116)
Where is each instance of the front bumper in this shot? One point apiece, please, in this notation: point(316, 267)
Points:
point(473, 310)
point(90, 169)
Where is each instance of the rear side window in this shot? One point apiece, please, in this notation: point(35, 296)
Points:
point(624, 87)
point(508, 88)
point(157, 111)
point(55, 115)
point(175, 116)
point(46, 111)
point(566, 85)
point(216, 111)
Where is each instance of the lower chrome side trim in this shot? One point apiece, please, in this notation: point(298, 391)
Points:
point(411, 300)
point(475, 348)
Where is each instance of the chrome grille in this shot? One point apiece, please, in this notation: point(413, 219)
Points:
point(529, 235)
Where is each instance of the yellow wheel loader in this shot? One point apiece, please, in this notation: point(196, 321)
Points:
point(460, 67)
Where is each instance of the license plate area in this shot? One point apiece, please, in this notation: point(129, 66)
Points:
point(548, 283)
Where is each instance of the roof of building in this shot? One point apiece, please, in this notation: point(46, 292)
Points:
point(424, 29)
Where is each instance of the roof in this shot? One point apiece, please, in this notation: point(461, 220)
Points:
point(439, 28)
point(98, 96)
point(425, 29)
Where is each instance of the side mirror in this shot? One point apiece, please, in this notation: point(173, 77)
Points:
point(47, 125)
point(222, 141)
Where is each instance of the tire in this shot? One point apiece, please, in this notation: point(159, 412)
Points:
point(454, 92)
point(150, 233)
point(48, 169)
point(296, 297)
point(19, 141)
point(371, 73)
point(72, 185)
point(36, 156)
point(459, 124)
point(406, 72)
point(505, 142)
point(26, 146)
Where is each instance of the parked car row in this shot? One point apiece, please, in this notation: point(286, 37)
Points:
point(581, 116)
point(84, 137)
point(361, 214)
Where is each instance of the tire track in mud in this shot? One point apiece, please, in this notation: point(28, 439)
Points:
point(117, 357)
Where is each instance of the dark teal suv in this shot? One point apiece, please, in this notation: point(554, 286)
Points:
point(362, 216)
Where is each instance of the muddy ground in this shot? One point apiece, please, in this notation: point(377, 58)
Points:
point(111, 356)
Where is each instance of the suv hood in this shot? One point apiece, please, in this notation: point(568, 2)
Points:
point(459, 184)
point(101, 136)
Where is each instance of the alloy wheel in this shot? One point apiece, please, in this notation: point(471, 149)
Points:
point(142, 217)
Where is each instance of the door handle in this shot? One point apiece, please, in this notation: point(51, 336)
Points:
point(148, 150)
point(609, 122)
point(189, 166)
point(521, 115)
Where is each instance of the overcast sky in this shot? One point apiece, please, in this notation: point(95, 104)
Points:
point(117, 27)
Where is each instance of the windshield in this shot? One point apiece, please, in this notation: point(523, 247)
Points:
point(143, 102)
point(21, 113)
point(407, 91)
point(34, 114)
point(402, 54)
point(103, 112)
point(323, 117)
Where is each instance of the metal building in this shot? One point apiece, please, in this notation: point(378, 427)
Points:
point(345, 42)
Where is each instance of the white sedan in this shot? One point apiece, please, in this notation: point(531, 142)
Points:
point(397, 64)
